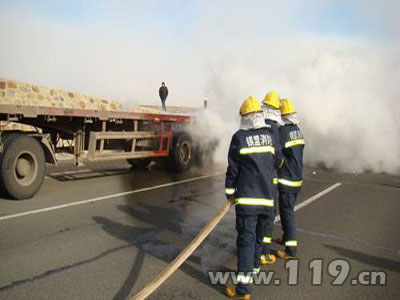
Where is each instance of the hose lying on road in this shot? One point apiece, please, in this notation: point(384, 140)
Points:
point(180, 259)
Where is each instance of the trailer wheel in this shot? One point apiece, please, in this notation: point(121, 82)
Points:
point(204, 154)
point(22, 166)
point(181, 156)
point(141, 163)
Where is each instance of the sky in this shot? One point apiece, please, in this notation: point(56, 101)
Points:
point(339, 61)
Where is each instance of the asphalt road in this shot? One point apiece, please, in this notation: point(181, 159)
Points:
point(107, 232)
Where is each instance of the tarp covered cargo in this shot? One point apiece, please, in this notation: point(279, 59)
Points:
point(18, 93)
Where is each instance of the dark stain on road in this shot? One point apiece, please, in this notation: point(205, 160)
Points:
point(62, 269)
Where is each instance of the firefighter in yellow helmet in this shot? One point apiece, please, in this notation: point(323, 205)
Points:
point(272, 115)
point(290, 177)
point(251, 164)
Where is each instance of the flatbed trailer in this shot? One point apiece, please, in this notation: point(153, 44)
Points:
point(138, 136)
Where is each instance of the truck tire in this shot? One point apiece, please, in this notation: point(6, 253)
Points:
point(22, 166)
point(141, 163)
point(181, 156)
point(204, 154)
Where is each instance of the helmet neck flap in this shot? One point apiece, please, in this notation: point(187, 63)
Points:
point(272, 114)
point(290, 119)
point(252, 121)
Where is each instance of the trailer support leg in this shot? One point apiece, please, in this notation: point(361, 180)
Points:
point(103, 129)
point(135, 128)
point(78, 145)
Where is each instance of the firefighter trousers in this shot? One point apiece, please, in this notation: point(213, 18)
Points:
point(249, 242)
point(269, 226)
point(286, 210)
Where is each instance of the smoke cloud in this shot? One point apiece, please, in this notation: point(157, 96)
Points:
point(347, 96)
point(346, 87)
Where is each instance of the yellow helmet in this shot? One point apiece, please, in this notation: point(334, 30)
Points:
point(250, 105)
point(272, 99)
point(287, 107)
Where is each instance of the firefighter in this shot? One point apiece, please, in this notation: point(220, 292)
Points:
point(272, 115)
point(251, 163)
point(163, 92)
point(290, 177)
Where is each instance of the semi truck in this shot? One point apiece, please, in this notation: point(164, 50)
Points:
point(89, 128)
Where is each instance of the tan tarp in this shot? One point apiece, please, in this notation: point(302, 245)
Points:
point(18, 93)
point(5, 126)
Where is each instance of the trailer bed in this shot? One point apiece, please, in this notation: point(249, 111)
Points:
point(48, 121)
point(12, 112)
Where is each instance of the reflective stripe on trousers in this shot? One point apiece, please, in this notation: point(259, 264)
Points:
point(267, 240)
point(244, 279)
point(229, 191)
point(290, 182)
point(291, 243)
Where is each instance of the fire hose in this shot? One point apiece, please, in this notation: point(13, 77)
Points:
point(181, 258)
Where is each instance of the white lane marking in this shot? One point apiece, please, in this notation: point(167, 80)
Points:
point(36, 211)
point(312, 199)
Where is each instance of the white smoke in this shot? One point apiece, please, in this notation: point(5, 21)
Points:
point(346, 90)
point(347, 94)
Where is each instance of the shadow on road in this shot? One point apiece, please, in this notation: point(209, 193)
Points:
point(90, 174)
point(377, 262)
point(397, 186)
point(69, 172)
point(148, 240)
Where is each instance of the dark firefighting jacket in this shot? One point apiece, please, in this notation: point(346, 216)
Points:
point(291, 173)
point(249, 177)
point(274, 129)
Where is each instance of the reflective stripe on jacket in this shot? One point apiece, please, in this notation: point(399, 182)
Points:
point(291, 173)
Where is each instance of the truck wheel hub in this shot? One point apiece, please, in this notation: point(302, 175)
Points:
point(25, 168)
point(185, 152)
